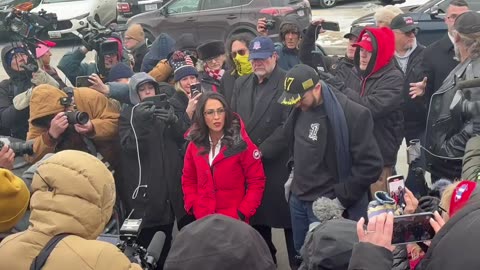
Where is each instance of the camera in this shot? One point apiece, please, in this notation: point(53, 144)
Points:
point(77, 117)
point(19, 148)
point(269, 24)
point(462, 108)
point(27, 24)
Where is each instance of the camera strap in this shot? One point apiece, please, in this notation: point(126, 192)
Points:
point(42, 257)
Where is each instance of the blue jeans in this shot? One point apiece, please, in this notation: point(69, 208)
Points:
point(302, 216)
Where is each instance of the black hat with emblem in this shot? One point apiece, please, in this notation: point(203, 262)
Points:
point(299, 80)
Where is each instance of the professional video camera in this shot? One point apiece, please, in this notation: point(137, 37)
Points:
point(26, 26)
point(462, 109)
point(127, 243)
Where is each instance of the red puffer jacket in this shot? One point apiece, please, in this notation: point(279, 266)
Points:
point(234, 183)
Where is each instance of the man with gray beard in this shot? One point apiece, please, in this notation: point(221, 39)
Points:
point(450, 123)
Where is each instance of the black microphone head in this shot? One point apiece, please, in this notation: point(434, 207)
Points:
point(156, 245)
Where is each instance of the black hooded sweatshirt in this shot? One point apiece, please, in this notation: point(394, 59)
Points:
point(12, 121)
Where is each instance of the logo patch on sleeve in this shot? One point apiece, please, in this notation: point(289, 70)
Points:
point(257, 154)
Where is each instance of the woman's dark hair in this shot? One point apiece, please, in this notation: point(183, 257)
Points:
point(288, 28)
point(199, 133)
point(242, 37)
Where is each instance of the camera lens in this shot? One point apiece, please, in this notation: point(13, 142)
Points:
point(76, 117)
point(21, 149)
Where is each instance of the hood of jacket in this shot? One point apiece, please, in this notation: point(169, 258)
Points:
point(381, 55)
point(72, 192)
point(159, 50)
point(17, 76)
point(135, 81)
point(209, 243)
point(455, 245)
point(329, 245)
point(45, 101)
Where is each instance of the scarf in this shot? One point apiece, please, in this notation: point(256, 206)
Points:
point(215, 74)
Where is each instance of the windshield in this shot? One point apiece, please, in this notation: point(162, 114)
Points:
point(58, 1)
point(428, 5)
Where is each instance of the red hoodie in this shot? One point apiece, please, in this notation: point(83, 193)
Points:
point(381, 55)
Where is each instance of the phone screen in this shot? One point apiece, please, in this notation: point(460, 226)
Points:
point(195, 89)
point(82, 81)
point(412, 228)
point(396, 188)
point(331, 26)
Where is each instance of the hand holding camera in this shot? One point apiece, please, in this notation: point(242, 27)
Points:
point(263, 25)
point(58, 125)
point(85, 129)
point(167, 115)
point(7, 157)
point(144, 111)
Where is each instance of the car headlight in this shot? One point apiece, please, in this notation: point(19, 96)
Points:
point(83, 16)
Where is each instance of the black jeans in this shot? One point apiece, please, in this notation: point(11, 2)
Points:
point(146, 236)
point(266, 233)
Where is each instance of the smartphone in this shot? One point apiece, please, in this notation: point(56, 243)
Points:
point(412, 228)
point(331, 26)
point(195, 89)
point(82, 81)
point(160, 101)
point(396, 184)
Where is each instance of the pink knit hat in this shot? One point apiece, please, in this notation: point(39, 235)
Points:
point(41, 50)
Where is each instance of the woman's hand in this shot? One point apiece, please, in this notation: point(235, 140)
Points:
point(97, 84)
point(192, 106)
point(410, 201)
point(379, 231)
point(437, 222)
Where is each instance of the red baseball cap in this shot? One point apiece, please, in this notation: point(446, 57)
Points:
point(365, 42)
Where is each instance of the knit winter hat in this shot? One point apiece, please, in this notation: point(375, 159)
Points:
point(119, 71)
point(182, 66)
point(9, 55)
point(14, 198)
point(383, 203)
point(461, 195)
point(135, 31)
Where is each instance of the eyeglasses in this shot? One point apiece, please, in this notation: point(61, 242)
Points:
point(413, 32)
point(242, 52)
point(212, 113)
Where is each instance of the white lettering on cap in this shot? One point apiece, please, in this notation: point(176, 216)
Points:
point(256, 45)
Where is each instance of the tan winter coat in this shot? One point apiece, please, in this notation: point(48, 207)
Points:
point(45, 102)
point(72, 192)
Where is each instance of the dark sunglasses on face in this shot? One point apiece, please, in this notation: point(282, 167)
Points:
point(242, 52)
point(414, 32)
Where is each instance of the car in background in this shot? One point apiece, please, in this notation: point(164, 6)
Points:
point(72, 15)
point(332, 3)
point(218, 20)
point(129, 8)
point(429, 17)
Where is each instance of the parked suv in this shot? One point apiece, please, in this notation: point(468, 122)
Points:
point(429, 17)
point(130, 8)
point(214, 19)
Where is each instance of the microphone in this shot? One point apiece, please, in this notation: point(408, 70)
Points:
point(155, 249)
point(326, 209)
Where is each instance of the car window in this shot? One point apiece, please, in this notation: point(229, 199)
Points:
point(211, 4)
point(183, 6)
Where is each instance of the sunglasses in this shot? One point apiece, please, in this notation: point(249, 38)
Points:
point(414, 32)
point(242, 52)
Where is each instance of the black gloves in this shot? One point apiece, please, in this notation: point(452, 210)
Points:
point(144, 111)
point(166, 115)
point(429, 204)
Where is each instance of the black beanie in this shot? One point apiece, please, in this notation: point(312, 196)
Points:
point(210, 49)
point(119, 71)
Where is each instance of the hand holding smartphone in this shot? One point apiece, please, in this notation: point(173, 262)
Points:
point(412, 228)
point(82, 81)
point(396, 189)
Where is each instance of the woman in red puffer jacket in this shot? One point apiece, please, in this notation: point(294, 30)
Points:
point(223, 171)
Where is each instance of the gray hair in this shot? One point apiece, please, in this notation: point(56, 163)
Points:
point(472, 43)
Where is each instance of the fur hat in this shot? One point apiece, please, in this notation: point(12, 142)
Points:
point(210, 49)
point(135, 31)
point(14, 198)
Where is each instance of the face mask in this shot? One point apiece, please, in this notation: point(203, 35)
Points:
point(242, 65)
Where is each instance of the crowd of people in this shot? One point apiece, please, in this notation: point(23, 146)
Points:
point(229, 139)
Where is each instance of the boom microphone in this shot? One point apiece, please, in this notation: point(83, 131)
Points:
point(155, 249)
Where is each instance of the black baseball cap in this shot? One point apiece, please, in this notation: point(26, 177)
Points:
point(299, 79)
point(468, 23)
point(403, 23)
point(354, 32)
